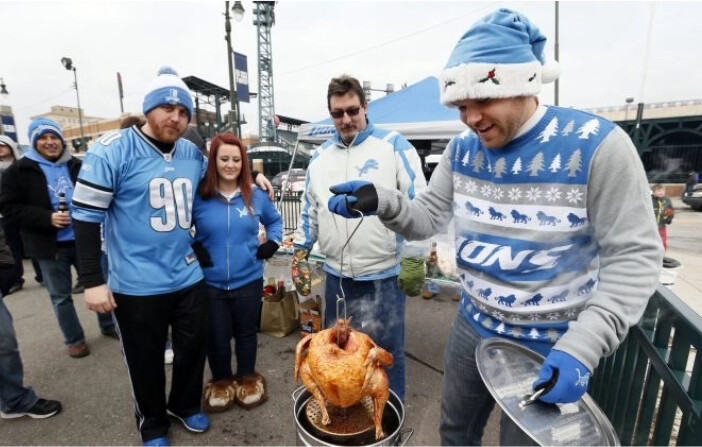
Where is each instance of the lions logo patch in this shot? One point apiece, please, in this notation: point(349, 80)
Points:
point(172, 97)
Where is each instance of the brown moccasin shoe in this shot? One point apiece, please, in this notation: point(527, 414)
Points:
point(251, 391)
point(219, 396)
point(78, 350)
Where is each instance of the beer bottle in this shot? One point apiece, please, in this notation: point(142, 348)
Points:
point(63, 205)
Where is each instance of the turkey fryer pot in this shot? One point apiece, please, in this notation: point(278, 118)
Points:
point(308, 435)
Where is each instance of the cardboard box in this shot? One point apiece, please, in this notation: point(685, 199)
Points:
point(310, 316)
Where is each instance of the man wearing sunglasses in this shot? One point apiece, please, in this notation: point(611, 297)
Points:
point(374, 260)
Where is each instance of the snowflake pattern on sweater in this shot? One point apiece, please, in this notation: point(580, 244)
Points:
point(527, 258)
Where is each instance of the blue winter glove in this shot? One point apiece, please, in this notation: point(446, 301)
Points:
point(570, 377)
point(356, 194)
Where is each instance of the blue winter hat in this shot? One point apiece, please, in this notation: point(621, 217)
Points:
point(500, 56)
point(40, 126)
point(168, 89)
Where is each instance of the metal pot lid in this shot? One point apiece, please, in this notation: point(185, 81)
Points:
point(508, 369)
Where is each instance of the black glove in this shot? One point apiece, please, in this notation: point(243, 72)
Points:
point(203, 256)
point(266, 250)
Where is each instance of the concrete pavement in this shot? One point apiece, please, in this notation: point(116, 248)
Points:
point(96, 395)
point(685, 245)
point(97, 400)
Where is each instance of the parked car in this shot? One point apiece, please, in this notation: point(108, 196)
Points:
point(694, 198)
point(295, 183)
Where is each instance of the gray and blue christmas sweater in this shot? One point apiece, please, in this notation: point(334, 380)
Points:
point(555, 240)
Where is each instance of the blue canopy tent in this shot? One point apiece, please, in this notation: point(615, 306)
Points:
point(414, 111)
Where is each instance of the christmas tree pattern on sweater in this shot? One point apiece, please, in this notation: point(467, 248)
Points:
point(524, 245)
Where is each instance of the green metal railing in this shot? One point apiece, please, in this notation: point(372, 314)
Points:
point(651, 387)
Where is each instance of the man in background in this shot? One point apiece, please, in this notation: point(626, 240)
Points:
point(30, 192)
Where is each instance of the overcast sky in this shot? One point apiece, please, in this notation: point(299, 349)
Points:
point(605, 49)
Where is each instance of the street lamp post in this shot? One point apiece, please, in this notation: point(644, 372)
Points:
point(238, 10)
point(68, 65)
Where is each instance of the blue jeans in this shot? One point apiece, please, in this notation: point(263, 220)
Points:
point(14, 397)
point(57, 278)
point(378, 310)
point(234, 313)
point(465, 401)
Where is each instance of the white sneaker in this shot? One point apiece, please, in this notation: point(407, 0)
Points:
point(168, 356)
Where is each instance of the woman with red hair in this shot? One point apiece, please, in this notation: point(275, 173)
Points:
point(227, 212)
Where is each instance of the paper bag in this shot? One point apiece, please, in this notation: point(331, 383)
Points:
point(279, 318)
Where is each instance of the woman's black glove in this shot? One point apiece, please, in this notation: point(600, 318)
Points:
point(266, 250)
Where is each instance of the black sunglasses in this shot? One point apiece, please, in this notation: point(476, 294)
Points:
point(351, 111)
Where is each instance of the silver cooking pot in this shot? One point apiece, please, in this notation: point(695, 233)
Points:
point(393, 420)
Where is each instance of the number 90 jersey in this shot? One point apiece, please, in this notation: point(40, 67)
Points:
point(144, 198)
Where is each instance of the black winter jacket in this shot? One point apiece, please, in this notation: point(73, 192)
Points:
point(24, 200)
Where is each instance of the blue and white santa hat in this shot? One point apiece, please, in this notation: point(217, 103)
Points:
point(40, 126)
point(500, 56)
point(168, 89)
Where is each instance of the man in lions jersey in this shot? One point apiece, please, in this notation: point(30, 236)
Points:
point(140, 183)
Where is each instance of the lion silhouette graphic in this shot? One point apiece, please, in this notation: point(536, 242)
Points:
point(506, 300)
point(495, 215)
point(474, 210)
point(558, 298)
point(367, 166)
point(545, 219)
point(485, 293)
point(534, 300)
point(576, 221)
point(519, 218)
point(587, 287)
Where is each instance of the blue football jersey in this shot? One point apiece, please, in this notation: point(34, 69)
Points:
point(147, 197)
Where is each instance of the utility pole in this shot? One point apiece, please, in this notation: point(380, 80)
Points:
point(238, 10)
point(121, 93)
point(68, 65)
